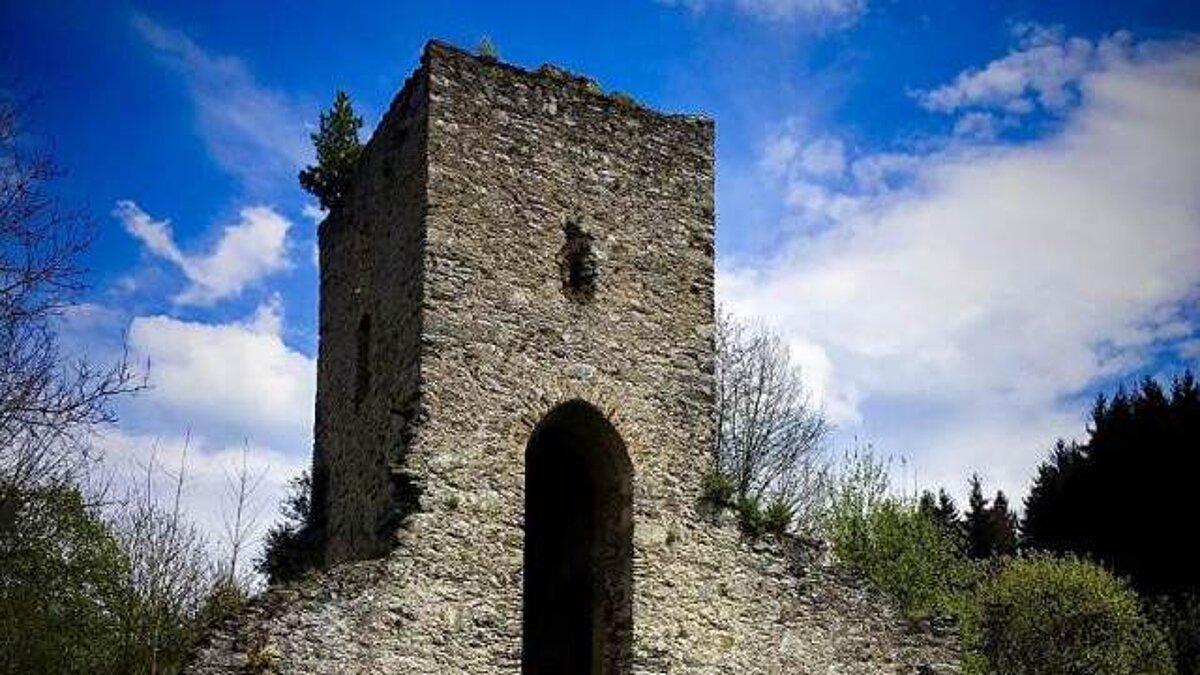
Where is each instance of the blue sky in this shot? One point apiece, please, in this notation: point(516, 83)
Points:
point(966, 218)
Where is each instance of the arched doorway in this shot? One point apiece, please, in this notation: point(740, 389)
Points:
point(578, 616)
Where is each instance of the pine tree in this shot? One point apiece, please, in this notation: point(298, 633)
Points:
point(1124, 496)
point(941, 510)
point(979, 522)
point(1003, 529)
point(927, 505)
point(947, 511)
point(338, 150)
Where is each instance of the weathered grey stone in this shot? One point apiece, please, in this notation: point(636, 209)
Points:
point(449, 335)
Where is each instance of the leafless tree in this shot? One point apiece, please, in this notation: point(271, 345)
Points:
point(171, 571)
point(48, 407)
point(240, 519)
point(770, 435)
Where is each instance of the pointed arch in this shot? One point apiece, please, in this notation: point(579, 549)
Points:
point(577, 609)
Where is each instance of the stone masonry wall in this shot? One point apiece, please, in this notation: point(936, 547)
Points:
point(368, 376)
point(473, 340)
point(514, 158)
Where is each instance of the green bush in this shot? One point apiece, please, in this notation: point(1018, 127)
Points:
point(1050, 616)
point(899, 548)
point(777, 518)
point(905, 554)
point(718, 488)
point(1178, 616)
point(751, 518)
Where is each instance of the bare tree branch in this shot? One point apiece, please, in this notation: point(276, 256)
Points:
point(769, 434)
point(240, 518)
point(48, 408)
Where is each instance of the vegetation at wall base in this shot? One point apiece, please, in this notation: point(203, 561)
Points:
point(293, 545)
point(1124, 497)
point(1095, 517)
point(717, 489)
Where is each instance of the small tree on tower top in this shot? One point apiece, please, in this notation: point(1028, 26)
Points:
point(338, 149)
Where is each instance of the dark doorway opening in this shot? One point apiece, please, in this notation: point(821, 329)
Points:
point(578, 615)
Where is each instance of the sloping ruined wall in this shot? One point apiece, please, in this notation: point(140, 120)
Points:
point(481, 323)
point(758, 611)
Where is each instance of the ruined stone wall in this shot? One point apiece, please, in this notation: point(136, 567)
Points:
point(514, 159)
point(368, 376)
point(479, 340)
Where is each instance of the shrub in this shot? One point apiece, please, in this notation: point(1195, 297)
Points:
point(487, 49)
point(900, 549)
point(905, 554)
point(750, 517)
point(292, 547)
point(1178, 616)
point(718, 488)
point(1048, 616)
point(62, 584)
point(777, 518)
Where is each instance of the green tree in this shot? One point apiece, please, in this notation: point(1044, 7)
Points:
point(338, 150)
point(293, 546)
point(1124, 497)
point(1120, 496)
point(978, 522)
point(1050, 616)
point(1003, 526)
point(894, 542)
point(62, 585)
point(942, 510)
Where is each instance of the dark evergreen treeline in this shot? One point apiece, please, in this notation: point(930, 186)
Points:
point(1123, 497)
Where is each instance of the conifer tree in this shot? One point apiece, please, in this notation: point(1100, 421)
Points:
point(338, 150)
point(942, 510)
point(947, 510)
point(1003, 527)
point(979, 522)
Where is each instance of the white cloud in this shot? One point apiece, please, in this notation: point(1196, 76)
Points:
point(248, 250)
point(956, 300)
point(317, 215)
point(218, 389)
point(824, 157)
point(976, 125)
point(228, 381)
point(314, 213)
point(251, 131)
point(1043, 71)
point(824, 13)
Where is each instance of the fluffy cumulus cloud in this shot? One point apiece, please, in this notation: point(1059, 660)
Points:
point(228, 381)
point(953, 303)
point(251, 248)
point(252, 131)
point(823, 13)
point(1043, 71)
point(219, 393)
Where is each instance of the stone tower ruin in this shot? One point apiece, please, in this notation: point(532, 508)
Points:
point(515, 405)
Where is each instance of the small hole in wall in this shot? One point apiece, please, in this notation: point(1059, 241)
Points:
point(362, 362)
point(579, 266)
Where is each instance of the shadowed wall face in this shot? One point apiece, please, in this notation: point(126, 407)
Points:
point(578, 546)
